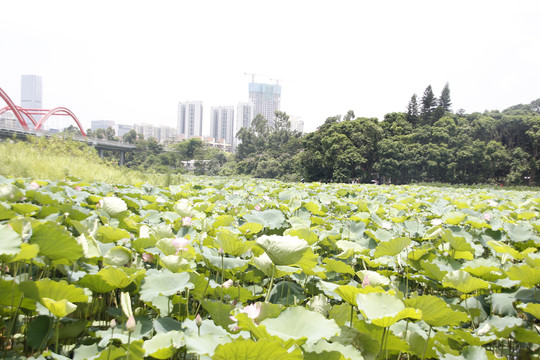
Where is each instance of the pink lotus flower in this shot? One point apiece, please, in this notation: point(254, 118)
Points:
point(487, 217)
point(186, 221)
point(198, 320)
point(78, 188)
point(34, 185)
point(257, 207)
point(180, 244)
point(147, 257)
point(130, 324)
point(365, 282)
point(252, 311)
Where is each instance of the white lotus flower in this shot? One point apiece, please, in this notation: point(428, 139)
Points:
point(283, 250)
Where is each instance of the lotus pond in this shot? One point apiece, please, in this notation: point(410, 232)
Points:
point(251, 269)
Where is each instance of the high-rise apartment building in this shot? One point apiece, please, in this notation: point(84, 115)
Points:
point(190, 119)
point(222, 123)
point(31, 92)
point(245, 112)
point(265, 99)
point(297, 124)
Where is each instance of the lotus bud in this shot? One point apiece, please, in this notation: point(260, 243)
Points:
point(221, 252)
point(113, 323)
point(198, 320)
point(34, 185)
point(130, 324)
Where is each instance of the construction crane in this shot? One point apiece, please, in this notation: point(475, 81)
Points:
point(268, 77)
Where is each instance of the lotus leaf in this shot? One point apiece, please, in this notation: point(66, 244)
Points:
point(464, 282)
point(297, 322)
point(435, 311)
point(533, 309)
point(117, 256)
point(163, 283)
point(59, 308)
point(11, 241)
point(54, 290)
point(528, 276)
point(283, 250)
point(383, 309)
point(163, 345)
point(272, 219)
point(391, 247)
point(246, 349)
point(114, 206)
point(64, 247)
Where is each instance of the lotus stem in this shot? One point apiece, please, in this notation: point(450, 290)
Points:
point(427, 341)
point(352, 312)
point(382, 342)
point(129, 344)
point(57, 335)
point(271, 283)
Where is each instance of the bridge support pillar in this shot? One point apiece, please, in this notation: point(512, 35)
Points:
point(122, 158)
point(101, 153)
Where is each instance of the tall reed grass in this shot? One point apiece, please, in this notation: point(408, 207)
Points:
point(57, 158)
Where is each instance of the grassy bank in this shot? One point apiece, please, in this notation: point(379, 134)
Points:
point(57, 158)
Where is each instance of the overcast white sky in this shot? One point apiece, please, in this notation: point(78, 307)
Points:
point(133, 61)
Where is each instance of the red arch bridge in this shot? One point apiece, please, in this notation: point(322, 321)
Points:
point(37, 126)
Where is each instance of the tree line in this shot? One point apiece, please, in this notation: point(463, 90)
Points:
point(426, 143)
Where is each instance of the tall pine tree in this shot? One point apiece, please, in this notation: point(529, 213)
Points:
point(429, 103)
point(444, 100)
point(412, 110)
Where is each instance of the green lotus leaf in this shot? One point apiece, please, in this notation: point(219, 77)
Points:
point(526, 336)
point(480, 267)
point(164, 345)
point(174, 263)
point(231, 243)
point(54, 290)
point(117, 277)
point(219, 312)
point(163, 283)
point(96, 283)
point(533, 309)
point(114, 206)
point(297, 322)
point(205, 344)
point(348, 293)
point(373, 277)
point(25, 209)
point(338, 266)
point(55, 242)
point(247, 349)
point(323, 350)
point(272, 219)
point(528, 276)
point(501, 326)
point(226, 262)
point(11, 296)
point(117, 256)
point(283, 250)
point(59, 308)
point(11, 241)
point(356, 248)
point(503, 248)
point(39, 331)
point(6, 213)
point(519, 232)
point(461, 335)
point(391, 247)
point(464, 282)
point(9, 192)
point(250, 228)
point(166, 324)
point(108, 234)
point(304, 234)
point(383, 310)
point(436, 312)
point(457, 243)
point(454, 217)
point(265, 264)
point(417, 254)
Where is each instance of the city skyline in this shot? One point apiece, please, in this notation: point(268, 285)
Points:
point(369, 57)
